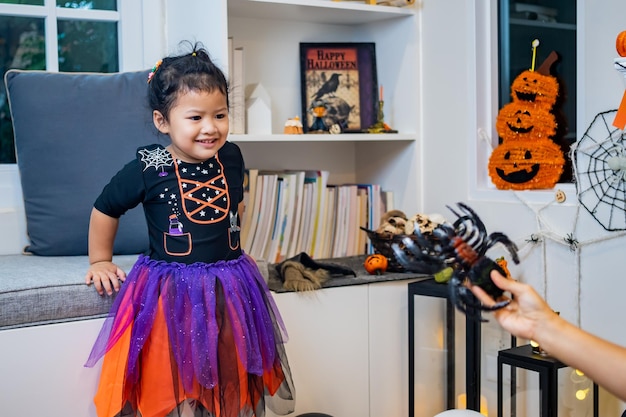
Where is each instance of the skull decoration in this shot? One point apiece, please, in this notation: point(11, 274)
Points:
point(393, 222)
point(426, 223)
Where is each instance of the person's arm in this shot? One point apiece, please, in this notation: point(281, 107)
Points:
point(530, 317)
point(103, 273)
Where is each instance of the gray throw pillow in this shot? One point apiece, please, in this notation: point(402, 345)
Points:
point(73, 132)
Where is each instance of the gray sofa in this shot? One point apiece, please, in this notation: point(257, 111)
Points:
point(37, 290)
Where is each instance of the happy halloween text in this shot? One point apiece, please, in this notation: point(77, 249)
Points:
point(331, 59)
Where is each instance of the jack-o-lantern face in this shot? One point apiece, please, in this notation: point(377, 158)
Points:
point(525, 164)
point(522, 120)
point(376, 264)
point(531, 86)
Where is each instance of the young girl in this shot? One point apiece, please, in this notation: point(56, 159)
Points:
point(193, 330)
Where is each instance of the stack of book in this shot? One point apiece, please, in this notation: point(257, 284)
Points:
point(236, 88)
point(289, 212)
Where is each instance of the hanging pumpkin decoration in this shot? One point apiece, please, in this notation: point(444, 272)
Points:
point(528, 158)
point(376, 264)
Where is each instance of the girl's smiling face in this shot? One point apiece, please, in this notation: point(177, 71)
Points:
point(197, 125)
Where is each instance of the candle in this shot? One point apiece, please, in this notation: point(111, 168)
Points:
point(381, 93)
point(535, 44)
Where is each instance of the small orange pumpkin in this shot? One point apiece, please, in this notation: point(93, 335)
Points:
point(526, 164)
point(376, 264)
point(502, 263)
point(523, 120)
point(620, 43)
point(535, 87)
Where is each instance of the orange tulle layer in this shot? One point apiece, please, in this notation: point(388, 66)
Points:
point(158, 391)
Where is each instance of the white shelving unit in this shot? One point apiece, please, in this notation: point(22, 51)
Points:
point(347, 345)
point(270, 32)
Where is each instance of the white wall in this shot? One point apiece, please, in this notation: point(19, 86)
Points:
point(587, 286)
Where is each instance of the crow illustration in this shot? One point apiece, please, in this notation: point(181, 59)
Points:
point(328, 87)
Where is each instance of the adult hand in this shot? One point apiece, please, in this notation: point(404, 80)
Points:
point(525, 311)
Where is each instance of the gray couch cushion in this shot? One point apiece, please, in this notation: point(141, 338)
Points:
point(73, 132)
point(50, 289)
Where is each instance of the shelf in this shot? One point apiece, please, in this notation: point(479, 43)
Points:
point(310, 137)
point(318, 11)
point(547, 25)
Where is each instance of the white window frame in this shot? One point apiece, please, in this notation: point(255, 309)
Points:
point(128, 16)
point(485, 73)
point(133, 55)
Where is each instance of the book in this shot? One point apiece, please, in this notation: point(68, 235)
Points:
point(306, 217)
point(276, 221)
point(374, 209)
point(320, 179)
point(352, 233)
point(285, 217)
point(329, 221)
point(255, 215)
point(230, 68)
point(377, 201)
point(237, 87)
point(290, 249)
point(341, 228)
point(363, 221)
point(266, 215)
point(388, 201)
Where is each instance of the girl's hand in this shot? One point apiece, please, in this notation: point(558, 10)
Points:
point(105, 276)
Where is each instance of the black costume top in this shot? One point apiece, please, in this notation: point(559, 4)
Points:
point(191, 209)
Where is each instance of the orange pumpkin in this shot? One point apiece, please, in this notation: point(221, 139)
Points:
point(524, 120)
point(376, 264)
point(535, 87)
point(526, 164)
point(620, 43)
point(502, 263)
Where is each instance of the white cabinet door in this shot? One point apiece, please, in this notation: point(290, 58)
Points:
point(41, 368)
point(328, 349)
point(388, 341)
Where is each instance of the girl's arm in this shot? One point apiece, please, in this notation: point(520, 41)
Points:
point(529, 316)
point(103, 273)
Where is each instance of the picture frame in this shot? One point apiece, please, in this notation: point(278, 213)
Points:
point(339, 87)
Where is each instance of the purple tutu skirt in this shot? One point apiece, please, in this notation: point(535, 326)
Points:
point(206, 333)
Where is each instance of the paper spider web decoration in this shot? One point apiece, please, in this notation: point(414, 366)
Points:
point(600, 170)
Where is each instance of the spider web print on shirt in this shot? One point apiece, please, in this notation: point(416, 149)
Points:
point(203, 201)
point(158, 158)
point(600, 170)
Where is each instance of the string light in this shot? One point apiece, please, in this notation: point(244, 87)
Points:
point(581, 394)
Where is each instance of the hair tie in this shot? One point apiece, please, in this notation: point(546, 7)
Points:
point(193, 54)
point(154, 70)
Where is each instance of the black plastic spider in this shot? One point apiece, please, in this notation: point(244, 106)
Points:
point(534, 239)
point(571, 241)
point(462, 246)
